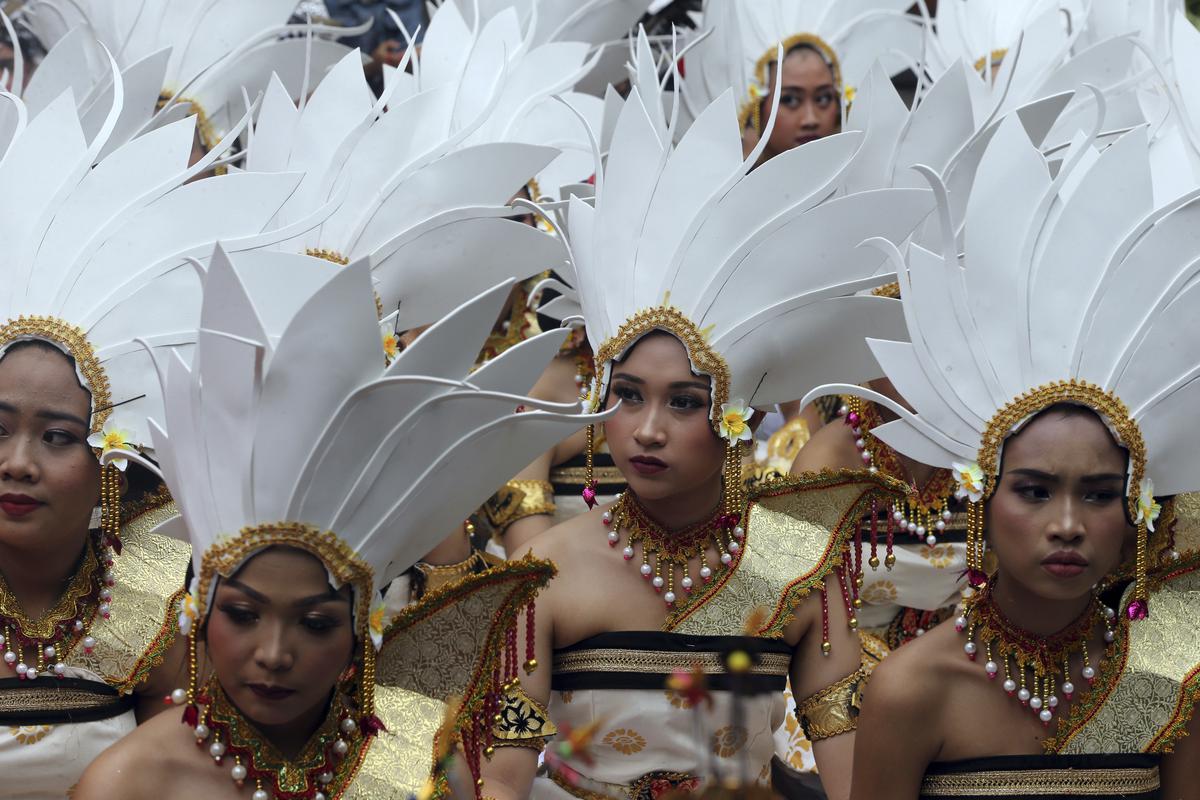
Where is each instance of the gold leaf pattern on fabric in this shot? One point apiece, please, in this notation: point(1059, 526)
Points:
point(1157, 678)
point(669, 734)
point(729, 740)
point(149, 576)
point(400, 759)
point(625, 740)
point(29, 734)
point(879, 593)
point(939, 556)
point(796, 531)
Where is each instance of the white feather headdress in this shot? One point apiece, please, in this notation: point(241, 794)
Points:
point(422, 188)
point(95, 256)
point(368, 466)
point(180, 57)
point(1074, 288)
point(1030, 50)
point(685, 239)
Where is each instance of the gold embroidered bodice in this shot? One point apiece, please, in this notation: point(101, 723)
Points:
point(797, 531)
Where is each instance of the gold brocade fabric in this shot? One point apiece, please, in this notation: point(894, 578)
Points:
point(1147, 690)
point(149, 581)
point(450, 642)
point(1186, 530)
point(400, 759)
point(148, 520)
point(796, 531)
point(435, 646)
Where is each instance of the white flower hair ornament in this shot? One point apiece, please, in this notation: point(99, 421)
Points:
point(735, 421)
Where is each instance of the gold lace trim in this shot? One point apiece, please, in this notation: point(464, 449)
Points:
point(660, 661)
point(83, 582)
point(891, 290)
point(23, 699)
point(1019, 783)
point(578, 475)
point(995, 57)
point(335, 257)
point(240, 736)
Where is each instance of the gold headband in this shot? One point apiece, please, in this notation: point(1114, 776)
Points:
point(73, 340)
point(1076, 392)
point(751, 113)
point(695, 341)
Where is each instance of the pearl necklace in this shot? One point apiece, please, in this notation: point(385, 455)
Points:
point(673, 550)
point(49, 639)
point(1034, 666)
point(319, 772)
point(925, 513)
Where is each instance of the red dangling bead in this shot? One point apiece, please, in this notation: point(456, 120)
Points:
point(589, 495)
point(191, 715)
point(372, 725)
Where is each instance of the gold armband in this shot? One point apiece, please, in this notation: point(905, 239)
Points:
point(523, 722)
point(833, 710)
point(519, 499)
point(436, 576)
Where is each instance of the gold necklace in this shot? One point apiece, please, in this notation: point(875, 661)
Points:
point(50, 638)
point(322, 770)
point(673, 550)
point(1035, 667)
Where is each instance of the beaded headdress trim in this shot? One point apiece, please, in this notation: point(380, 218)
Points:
point(705, 360)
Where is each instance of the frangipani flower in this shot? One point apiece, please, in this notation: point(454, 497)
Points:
point(375, 623)
point(110, 438)
point(1148, 510)
point(188, 611)
point(391, 346)
point(735, 421)
point(970, 481)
